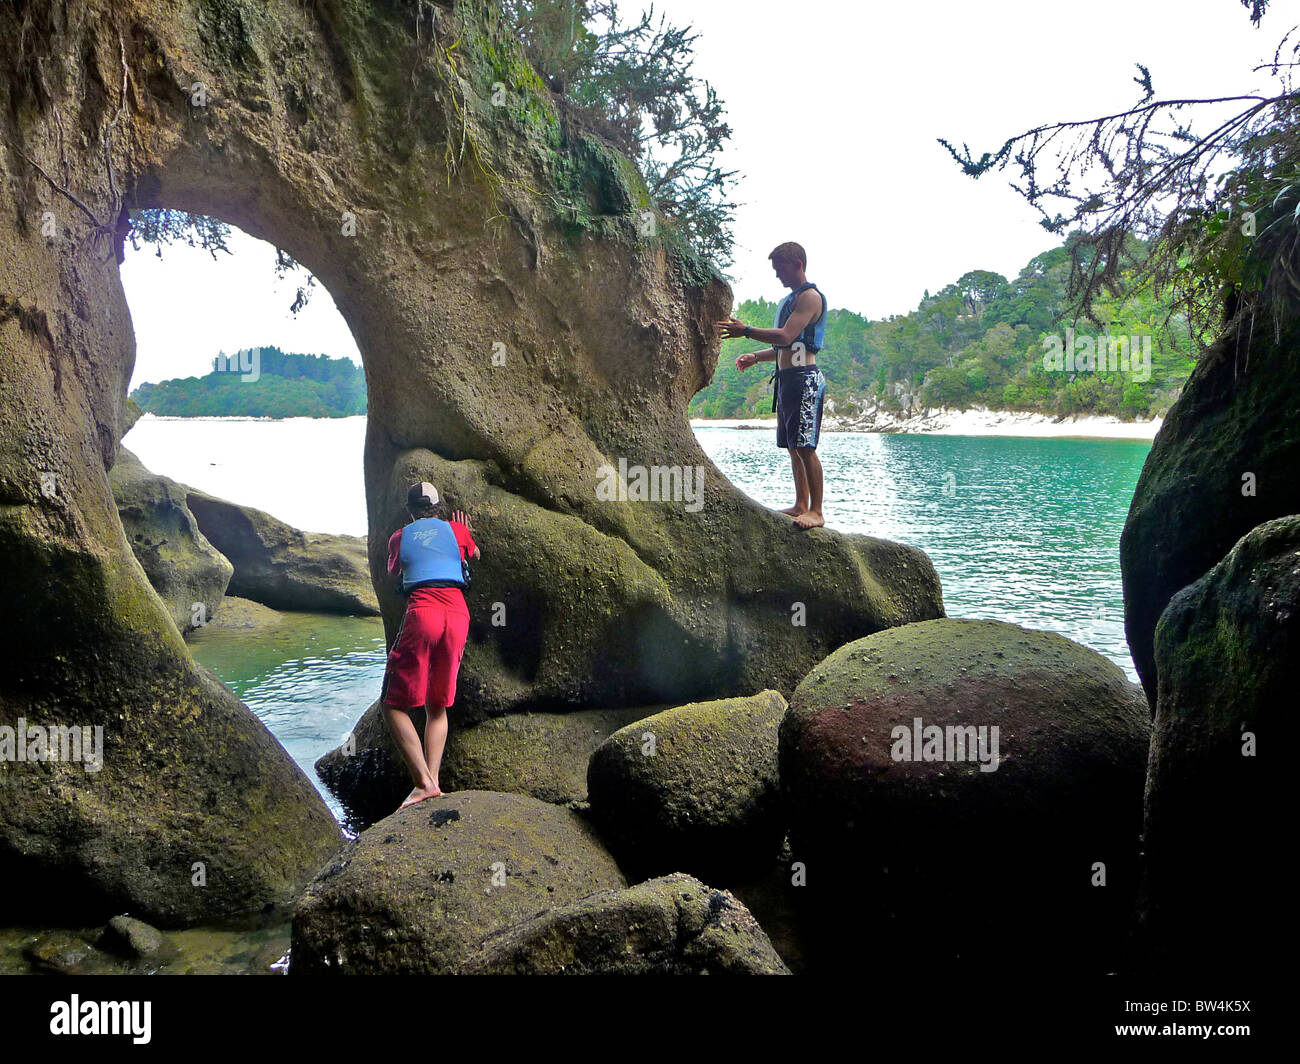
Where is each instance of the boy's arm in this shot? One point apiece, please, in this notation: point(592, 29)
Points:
point(394, 558)
point(462, 518)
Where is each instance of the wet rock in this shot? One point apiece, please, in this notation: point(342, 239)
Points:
point(67, 953)
point(139, 940)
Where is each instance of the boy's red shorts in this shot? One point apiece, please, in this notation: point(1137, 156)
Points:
point(425, 658)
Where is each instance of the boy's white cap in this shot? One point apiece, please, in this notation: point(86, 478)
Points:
point(420, 495)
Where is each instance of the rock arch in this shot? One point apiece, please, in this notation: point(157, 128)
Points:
point(480, 227)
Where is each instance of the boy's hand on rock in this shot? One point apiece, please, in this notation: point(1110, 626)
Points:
point(462, 517)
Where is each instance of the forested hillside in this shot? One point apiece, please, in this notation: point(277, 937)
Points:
point(262, 382)
point(977, 342)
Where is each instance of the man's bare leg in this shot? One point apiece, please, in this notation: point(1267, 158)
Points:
point(800, 486)
point(435, 739)
point(813, 472)
point(408, 742)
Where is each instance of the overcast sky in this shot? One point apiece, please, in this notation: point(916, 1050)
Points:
point(835, 107)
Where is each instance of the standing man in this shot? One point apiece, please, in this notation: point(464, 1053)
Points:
point(425, 659)
point(800, 387)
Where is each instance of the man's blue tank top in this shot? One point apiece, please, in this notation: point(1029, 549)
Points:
point(430, 555)
point(815, 331)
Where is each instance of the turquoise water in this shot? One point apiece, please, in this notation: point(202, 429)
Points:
point(308, 677)
point(1022, 530)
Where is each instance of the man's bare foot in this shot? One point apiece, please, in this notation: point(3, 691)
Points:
point(811, 519)
point(419, 794)
point(795, 510)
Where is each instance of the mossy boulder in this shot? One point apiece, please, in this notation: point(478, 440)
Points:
point(692, 788)
point(281, 567)
point(187, 571)
point(674, 925)
point(419, 890)
point(1223, 462)
point(945, 837)
point(1228, 656)
point(543, 755)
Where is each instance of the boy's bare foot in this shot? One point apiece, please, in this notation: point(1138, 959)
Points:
point(419, 794)
point(811, 519)
point(795, 510)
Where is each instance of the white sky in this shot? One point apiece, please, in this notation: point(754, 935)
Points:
point(835, 106)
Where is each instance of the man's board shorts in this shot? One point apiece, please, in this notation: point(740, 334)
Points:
point(800, 396)
point(425, 658)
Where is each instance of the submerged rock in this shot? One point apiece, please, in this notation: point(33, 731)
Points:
point(139, 940)
point(1223, 462)
point(281, 567)
point(957, 786)
point(693, 788)
point(417, 891)
point(187, 571)
point(67, 953)
point(1215, 869)
point(674, 925)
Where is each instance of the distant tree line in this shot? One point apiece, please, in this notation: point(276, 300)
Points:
point(283, 384)
point(977, 342)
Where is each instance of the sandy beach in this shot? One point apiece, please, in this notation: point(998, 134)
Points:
point(977, 421)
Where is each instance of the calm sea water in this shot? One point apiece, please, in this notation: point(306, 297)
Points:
point(1022, 530)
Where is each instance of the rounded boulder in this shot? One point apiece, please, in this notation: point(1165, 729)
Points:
point(967, 786)
point(419, 890)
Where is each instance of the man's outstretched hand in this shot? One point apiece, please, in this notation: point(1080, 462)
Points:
point(730, 329)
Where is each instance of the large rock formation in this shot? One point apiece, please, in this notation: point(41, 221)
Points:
point(527, 324)
point(187, 571)
point(279, 566)
point(1223, 462)
point(956, 788)
point(1216, 868)
point(416, 892)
